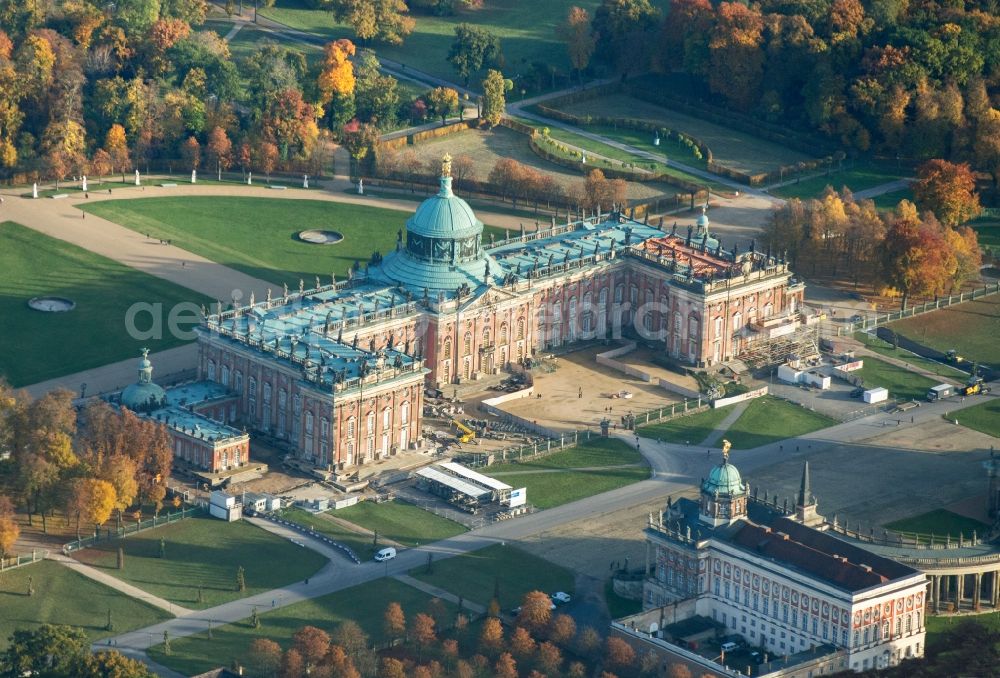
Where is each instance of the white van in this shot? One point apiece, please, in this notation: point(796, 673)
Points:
point(388, 553)
point(729, 647)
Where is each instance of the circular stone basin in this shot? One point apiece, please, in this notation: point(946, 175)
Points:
point(52, 304)
point(320, 237)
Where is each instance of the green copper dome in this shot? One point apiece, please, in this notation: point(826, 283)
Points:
point(144, 395)
point(724, 479)
point(444, 215)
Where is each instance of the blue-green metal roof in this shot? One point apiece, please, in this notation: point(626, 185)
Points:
point(444, 215)
point(724, 479)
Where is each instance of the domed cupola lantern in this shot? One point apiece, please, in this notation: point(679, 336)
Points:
point(723, 494)
point(444, 245)
point(144, 395)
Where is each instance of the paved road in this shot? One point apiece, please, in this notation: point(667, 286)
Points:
point(881, 189)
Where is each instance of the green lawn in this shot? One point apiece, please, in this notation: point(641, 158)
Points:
point(361, 544)
point(984, 417)
point(971, 328)
point(257, 235)
point(885, 348)
point(940, 522)
point(365, 604)
point(689, 429)
point(474, 575)
point(619, 607)
point(989, 235)
point(730, 147)
point(559, 478)
point(938, 628)
point(63, 596)
point(856, 178)
point(902, 384)
point(889, 201)
point(205, 552)
point(768, 419)
point(404, 523)
point(36, 346)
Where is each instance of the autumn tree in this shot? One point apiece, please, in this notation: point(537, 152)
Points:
point(736, 55)
point(191, 152)
point(623, 29)
point(264, 658)
point(442, 101)
point(360, 140)
point(948, 190)
point(678, 670)
point(312, 644)
point(505, 667)
point(392, 668)
point(292, 664)
point(618, 654)
point(92, 501)
point(522, 645)
point(491, 636)
point(393, 621)
point(116, 147)
point(376, 94)
point(495, 88)
point(562, 630)
point(472, 50)
point(9, 530)
point(350, 636)
point(336, 81)
point(906, 261)
point(100, 164)
point(267, 158)
point(536, 611)
point(588, 641)
point(602, 193)
point(463, 169)
point(580, 40)
point(220, 150)
point(375, 20)
point(422, 632)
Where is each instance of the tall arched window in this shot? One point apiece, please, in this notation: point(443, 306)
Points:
point(486, 337)
point(447, 348)
point(386, 417)
point(503, 334)
point(225, 375)
point(352, 427)
point(520, 328)
point(211, 370)
point(238, 381)
point(404, 413)
point(371, 423)
point(467, 344)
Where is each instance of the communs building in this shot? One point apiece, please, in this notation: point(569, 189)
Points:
point(772, 580)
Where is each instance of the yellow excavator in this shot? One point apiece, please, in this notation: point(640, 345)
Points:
point(465, 434)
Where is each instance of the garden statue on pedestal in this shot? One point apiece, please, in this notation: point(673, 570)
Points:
point(249, 178)
point(305, 181)
point(137, 182)
point(83, 183)
point(34, 190)
point(194, 176)
point(361, 186)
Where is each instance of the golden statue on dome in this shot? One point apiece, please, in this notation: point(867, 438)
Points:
point(725, 451)
point(446, 165)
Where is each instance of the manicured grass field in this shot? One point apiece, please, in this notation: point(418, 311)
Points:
point(690, 429)
point(729, 147)
point(767, 420)
point(365, 604)
point(855, 178)
point(527, 32)
point(257, 235)
point(984, 417)
point(988, 234)
point(619, 607)
point(63, 596)
point(404, 523)
point(971, 328)
point(474, 575)
point(486, 147)
point(205, 552)
point(937, 627)
point(885, 348)
point(889, 201)
point(902, 384)
point(36, 346)
point(361, 544)
point(560, 477)
point(940, 522)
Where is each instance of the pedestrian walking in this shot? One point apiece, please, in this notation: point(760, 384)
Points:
point(272, 602)
point(708, 453)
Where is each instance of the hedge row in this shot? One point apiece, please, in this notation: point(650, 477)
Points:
point(432, 133)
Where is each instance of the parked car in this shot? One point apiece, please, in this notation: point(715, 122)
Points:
point(561, 597)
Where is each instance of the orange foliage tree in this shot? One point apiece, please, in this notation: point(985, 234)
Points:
point(948, 190)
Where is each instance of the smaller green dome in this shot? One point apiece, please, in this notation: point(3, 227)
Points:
point(702, 221)
point(724, 479)
point(144, 395)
